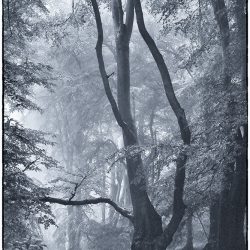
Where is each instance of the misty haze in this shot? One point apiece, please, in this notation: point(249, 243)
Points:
point(124, 125)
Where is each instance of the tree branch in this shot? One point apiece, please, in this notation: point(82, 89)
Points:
point(120, 210)
point(175, 105)
point(77, 185)
point(111, 74)
point(178, 205)
point(30, 164)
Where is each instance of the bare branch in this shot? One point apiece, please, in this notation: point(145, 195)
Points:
point(120, 210)
point(29, 165)
point(77, 185)
point(108, 76)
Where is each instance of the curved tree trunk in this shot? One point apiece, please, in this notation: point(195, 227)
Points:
point(147, 223)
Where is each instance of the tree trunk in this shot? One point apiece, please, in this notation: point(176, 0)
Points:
point(238, 196)
point(221, 17)
point(113, 193)
point(148, 233)
point(73, 239)
point(213, 229)
point(242, 32)
point(104, 194)
point(233, 194)
point(239, 184)
point(147, 224)
point(233, 203)
point(189, 227)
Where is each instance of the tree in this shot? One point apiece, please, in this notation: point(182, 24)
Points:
point(202, 46)
point(23, 148)
point(232, 212)
point(147, 222)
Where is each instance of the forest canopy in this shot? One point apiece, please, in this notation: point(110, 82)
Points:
point(124, 125)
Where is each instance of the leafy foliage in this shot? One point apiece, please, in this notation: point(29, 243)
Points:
point(24, 149)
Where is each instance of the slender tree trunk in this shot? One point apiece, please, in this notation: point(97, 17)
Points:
point(73, 232)
point(113, 193)
point(213, 229)
point(104, 194)
point(189, 228)
point(154, 151)
point(74, 235)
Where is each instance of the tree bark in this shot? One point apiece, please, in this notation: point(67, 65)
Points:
point(240, 15)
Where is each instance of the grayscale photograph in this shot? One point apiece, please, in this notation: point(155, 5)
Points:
point(124, 125)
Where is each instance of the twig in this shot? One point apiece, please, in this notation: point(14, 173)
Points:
point(77, 185)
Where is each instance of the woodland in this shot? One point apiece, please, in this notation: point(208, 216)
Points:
point(124, 125)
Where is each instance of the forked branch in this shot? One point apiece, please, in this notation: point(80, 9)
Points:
point(103, 72)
